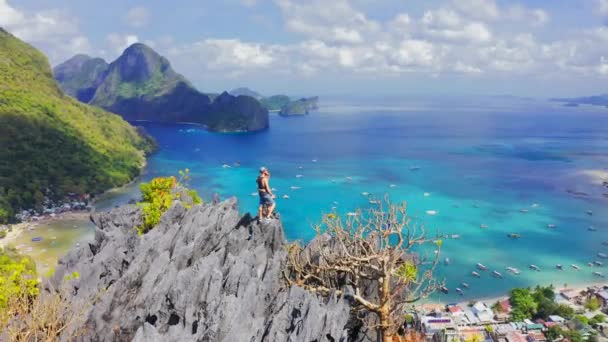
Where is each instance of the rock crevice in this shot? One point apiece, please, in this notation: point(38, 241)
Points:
point(203, 274)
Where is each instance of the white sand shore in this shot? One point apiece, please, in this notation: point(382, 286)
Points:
point(21, 227)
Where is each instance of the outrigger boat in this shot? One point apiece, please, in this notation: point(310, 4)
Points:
point(483, 226)
point(575, 267)
point(535, 268)
point(465, 285)
point(444, 289)
point(598, 263)
point(551, 226)
point(599, 274)
point(459, 291)
point(475, 274)
point(523, 211)
point(602, 255)
point(496, 274)
point(513, 270)
point(482, 267)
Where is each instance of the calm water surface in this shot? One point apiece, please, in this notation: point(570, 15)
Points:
point(515, 168)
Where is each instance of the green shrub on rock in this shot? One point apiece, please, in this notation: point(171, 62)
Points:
point(159, 194)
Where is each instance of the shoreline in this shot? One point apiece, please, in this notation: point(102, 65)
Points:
point(19, 228)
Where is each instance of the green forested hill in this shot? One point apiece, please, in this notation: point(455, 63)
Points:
point(51, 144)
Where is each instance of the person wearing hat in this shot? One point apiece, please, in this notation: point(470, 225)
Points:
point(266, 195)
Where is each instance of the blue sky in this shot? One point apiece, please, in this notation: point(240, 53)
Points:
point(528, 47)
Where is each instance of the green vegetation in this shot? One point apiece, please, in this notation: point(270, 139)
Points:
point(80, 75)
point(554, 333)
point(275, 102)
point(158, 196)
point(537, 303)
point(52, 144)
point(17, 277)
point(302, 106)
point(142, 85)
point(593, 304)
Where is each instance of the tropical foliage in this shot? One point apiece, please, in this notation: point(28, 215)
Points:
point(536, 303)
point(52, 144)
point(17, 276)
point(159, 194)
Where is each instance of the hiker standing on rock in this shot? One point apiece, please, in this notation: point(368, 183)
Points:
point(266, 195)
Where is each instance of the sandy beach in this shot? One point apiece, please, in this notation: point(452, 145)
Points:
point(19, 228)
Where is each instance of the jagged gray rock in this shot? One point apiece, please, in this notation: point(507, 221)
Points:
point(203, 274)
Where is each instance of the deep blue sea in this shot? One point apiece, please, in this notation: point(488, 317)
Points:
point(515, 166)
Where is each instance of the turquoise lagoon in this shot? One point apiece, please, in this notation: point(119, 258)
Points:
point(515, 166)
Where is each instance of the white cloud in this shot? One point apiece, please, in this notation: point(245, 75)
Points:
point(119, 42)
point(602, 7)
point(137, 17)
point(54, 31)
point(478, 9)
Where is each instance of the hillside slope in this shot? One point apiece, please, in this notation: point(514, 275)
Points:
point(142, 85)
point(52, 144)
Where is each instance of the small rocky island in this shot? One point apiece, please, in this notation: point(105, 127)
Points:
point(142, 85)
point(299, 107)
point(202, 274)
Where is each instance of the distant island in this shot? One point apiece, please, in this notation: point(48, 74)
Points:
point(595, 100)
point(302, 106)
point(142, 85)
point(281, 103)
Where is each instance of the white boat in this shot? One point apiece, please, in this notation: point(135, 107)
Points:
point(559, 266)
point(482, 266)
point(525, 211)
point(535, 268)
point(459, 291)
point(254, 194)
point(444, 289)
point(575, 267)
point(285, 196)
point(431, 212)
point(598, 263)
point(465, 285)
point(602, 255)
point(392, 186)
point(483, 226)
point(551, 226)
point(534, 205)
point(374, 202)
point(314, 160)
point(427, 194)
point(589, 212)
point(351, 214)
point(455, 236)
point(226, 166)
point(294, 187)
point(365, 193)
point(599, 274)
point(496, 274)
point(475, 274)
point(592, 229)
point(446, 261)
point(299, 176)
point(513, 270)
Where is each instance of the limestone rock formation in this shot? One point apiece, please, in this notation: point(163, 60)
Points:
point(203, 274)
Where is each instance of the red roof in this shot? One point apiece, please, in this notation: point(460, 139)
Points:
point(550, 324)
point(455, 309)
point(505, 305)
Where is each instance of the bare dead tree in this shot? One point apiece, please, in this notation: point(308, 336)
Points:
point(371, 251)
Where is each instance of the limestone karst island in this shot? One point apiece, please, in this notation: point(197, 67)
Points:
point(303, 171)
